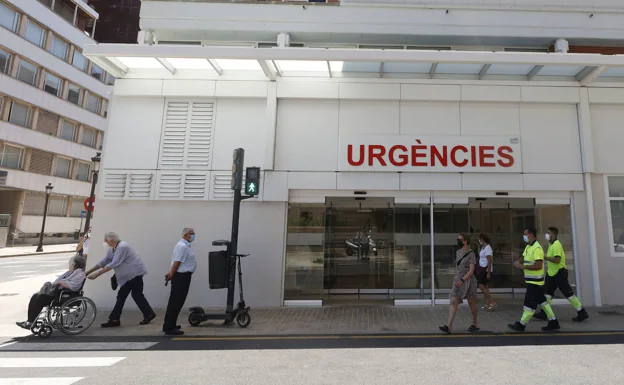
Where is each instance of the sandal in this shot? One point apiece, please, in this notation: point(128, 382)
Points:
point(473, 329)
point(492, 307)
point(445, 329)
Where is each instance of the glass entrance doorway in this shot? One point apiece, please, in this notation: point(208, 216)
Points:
point(358, 250)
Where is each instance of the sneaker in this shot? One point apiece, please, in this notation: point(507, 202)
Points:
point(24, 325)
point(541, 316)
point(582, 316)
point(518, 327)
point(552, 326)
point(174, 332)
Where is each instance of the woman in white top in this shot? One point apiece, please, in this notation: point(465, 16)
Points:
point(484, 269)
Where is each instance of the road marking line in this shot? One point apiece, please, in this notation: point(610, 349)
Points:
point(40, 381)
point(25, 272)
point(58, 362)
point(78, 346)
point(409, 336)
point(7, 344)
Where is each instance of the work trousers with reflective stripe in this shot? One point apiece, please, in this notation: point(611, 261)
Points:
point(560, 281)
point(534, 296)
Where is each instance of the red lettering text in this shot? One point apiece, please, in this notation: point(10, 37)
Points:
point(376, 151)
point(402, 158)
point(352, 162)
point(454, 160)
point(441, 157)
point(505, 153)
point(484, 156)
point(419, 152)
point(473, 156)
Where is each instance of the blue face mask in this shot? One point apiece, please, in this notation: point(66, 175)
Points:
point(192, 238)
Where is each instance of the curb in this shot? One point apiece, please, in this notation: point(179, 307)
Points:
point(31, 254)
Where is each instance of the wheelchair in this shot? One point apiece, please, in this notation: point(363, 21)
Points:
point(71, 313)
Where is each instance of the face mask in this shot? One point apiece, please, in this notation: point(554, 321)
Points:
point(460, 243)
point(547, 236)
point(526, 238)
point(480, 242)
point(192, 238)
point(106, 244)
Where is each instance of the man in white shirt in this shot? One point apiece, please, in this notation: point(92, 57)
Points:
point(183, 265)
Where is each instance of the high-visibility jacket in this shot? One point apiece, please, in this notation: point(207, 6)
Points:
point(532, 254)
point(556, 250)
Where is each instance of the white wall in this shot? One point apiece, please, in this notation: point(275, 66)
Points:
point(36, 182)
point(153, 229)
point(606, 121)
point(32, 224)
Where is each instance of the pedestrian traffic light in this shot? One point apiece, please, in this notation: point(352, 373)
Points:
point(252, 181)
point(238, 161)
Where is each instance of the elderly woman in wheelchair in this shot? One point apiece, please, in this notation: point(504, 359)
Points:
point(61, 305)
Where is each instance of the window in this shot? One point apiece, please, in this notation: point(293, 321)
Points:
point(77, 206)
point(57, 206)
point(82, 171)
point(59, 48)
point(27, 72)
point(105, 108)
point(53, 85)
point(8, 18)
point(97, 72)
point(110, 79)
point(35, 33)
point(79, 61)
point(5, 62)
point(68, 130)
point(89, 137)
point(12, 157)
point(74, 95)
point(63, 167)
point(615, 187)
point(93, 103)
point(20, 114)
point(47, 2)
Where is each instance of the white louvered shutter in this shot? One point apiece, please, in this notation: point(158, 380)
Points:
point(140, 186)
point(187, 135)
point(195, 185)
point(170, 185)
point(115, 185)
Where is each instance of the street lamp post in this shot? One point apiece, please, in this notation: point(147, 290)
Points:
point(48, 191)
point(96, 169)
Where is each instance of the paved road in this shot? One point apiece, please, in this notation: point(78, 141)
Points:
point(16, 268)
point(575, 359)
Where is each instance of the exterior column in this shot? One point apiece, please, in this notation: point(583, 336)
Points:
point(588, 164)
point(271, 127)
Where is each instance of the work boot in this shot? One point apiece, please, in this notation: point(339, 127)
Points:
point(541, 315)
point(552, 326)
point(518, 327)
point(582, 316)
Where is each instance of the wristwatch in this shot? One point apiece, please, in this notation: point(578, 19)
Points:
point(463, 280)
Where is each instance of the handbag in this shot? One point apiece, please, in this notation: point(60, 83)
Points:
point(114, 282)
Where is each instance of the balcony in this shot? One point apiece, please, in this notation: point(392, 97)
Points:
point(75, 12)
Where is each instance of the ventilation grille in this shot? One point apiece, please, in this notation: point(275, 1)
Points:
point(115, 185)
point(169, 186)
point(187, 136)
point(195, 185)
point(140, 186)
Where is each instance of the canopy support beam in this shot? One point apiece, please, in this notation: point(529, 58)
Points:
point(216, 66)
point(381, 69)
point(589, 74)
point(268, 71)
point(165, 63)
point(534, 72)
point(484, 71)
point(432, 72)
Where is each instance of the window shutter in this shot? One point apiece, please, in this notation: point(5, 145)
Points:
point(115, 185)
point(222, 186)
point(140, 186)
point(195, 185)
point(174, 135)
point(187, 135)
point(170, 185)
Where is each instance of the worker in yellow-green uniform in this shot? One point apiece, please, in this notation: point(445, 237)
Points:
point(533, 267)
point(557, 277)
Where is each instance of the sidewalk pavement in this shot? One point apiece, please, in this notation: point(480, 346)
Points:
point(385, 320)
point(32, 250)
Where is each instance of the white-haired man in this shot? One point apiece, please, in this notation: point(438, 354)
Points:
point(183, 265)
point(129, 272)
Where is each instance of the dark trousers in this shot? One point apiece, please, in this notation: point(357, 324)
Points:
point(134, 286)
point(560, 281)
point(534, 296)
point(180, 284)
point(36, 304)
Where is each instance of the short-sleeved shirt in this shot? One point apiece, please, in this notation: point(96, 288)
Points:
point(183, 253)
point(556, 250)
point(483, 254)
point(532, 254)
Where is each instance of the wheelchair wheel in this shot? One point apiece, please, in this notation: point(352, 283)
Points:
point(45, 332)
point(76, 315)
point(36, 327)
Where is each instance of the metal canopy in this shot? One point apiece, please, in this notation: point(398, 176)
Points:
point(124, 60)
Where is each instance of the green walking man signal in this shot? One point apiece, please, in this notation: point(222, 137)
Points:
point(252, 181)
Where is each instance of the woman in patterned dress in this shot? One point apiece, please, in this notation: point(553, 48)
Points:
point(465, 284)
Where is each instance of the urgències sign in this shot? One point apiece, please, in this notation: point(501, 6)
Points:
point(430, 153)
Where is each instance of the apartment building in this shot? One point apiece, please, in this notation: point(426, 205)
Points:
point(53, 109)
point(118, 20)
